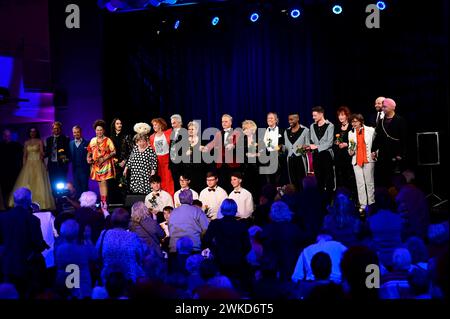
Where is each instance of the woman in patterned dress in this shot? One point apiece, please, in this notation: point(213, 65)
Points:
point(160, 142)
point(101, 153)
point(142, 164)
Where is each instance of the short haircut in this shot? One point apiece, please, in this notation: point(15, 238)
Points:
point(401, 259)
point(236, 174)
point(185, 176)
point(228, 116)
point(294, 114)
point(321, 266)
point(318, 109)
point(177, 117)
point(22, 197)
point(69, 230)
point(120, 218)
point(197, 202)
point(250, 124)
point(161, 122)
point(100, 123)
point(140, 137)
point(359, 117)
point(274, 114)
point(155, 179)
point(169, 208)
point(343, 109)
point(185, 196)
point(88, 199)
point(76, 127)
point(228, 207)
point(211, 174)
point(57, 123)
point(280, 212)
point(194, 124)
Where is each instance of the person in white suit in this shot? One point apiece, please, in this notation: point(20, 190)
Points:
point(360, 145)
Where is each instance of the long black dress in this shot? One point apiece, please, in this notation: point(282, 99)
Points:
point(250, 169)
point(195, 169)
point(345, 177)
point(123, 144)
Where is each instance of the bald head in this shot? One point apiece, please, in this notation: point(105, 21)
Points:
point(379, 103)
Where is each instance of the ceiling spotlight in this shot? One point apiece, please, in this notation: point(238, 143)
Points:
point(381, 5)
point(254, 17)
point(215, 21)
point(337, 9)
point(295, 13)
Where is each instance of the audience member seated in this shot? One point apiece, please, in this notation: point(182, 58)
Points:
point(117, 285)
point(147, 229)
point(119, 249)
point(342, 222)
point(229, 242)
point(262, 211)
point(282, 241)
point(254, 257)
point(394, 285)
point(385, 227)
point(419, 253)
point(70, 252)
point(354, 273)
point(325, 243)
point(438, 238)
point(419, 284)
point(194, 279)
point(177, 260)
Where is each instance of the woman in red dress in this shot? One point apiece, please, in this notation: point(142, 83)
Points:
point(101, 153)
point(160, 142)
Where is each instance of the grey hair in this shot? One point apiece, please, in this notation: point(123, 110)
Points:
point(139, 212)
point(69, 230)
point(22, 197)
point(88, 199)
point(177, 117)
point(228, 116)
point(280, 212)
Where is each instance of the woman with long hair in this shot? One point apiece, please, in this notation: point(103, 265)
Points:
point(101, 152)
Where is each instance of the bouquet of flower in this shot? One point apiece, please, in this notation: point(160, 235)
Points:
point(63, 157)
point(153, 201)
point(339, 139)
point(352, 145)
point(269, 143)
point(301, 150)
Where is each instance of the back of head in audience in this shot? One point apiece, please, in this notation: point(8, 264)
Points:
point(418, 250)
point(88, 199)
point(22, 197)
point(438, 234)
point(228, 207)
point(139, 212)
point(185, 197)
point(197, 203)
point(120, 218)
point(401, 259)
point(116, 285)
point(69, 230)
point(321, 266)
point(193, 263)
point(280, 212)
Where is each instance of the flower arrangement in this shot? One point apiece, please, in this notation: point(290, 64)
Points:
point(339, 139)
point(122, 182)
point(352, 144)
point(301, 150)
point(153, 201)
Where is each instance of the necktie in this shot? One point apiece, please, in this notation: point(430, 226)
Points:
point(54, 150)
point(378, 117)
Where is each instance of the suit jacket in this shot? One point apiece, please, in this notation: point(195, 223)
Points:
point(223, 155)
point(390, 141)
point(78, 155)
point(369, 134)
point(21, 235)
point(62, 147)
point(174, 154)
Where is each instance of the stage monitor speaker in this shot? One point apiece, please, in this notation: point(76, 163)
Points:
point(428, 148)
point(133, 198)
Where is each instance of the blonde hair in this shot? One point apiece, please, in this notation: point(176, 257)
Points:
point(138, 212)
point(193, 123)
point(250, 124)
point(228, 116)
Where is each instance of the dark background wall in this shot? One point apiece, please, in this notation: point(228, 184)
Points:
point(277, 64)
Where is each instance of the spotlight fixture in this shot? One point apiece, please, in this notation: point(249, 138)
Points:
point(337, 9)
point(295, 13)
point(254, 17)
point(381, 5)
point(215, 21)
point(176, 24)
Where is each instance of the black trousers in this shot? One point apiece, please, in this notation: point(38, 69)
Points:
point(324, 171)
point(296, 170)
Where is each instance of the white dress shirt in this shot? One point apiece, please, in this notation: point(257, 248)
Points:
point(213, 199)
point(227, 134)
point(271, 134)
point(176, 196)
point(164, 199)
point(244, 201)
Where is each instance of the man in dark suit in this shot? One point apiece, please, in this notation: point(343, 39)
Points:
point(389, 145)
point(175, 164)
point(22, 241)
point(78, 157)
point(225, 144)
point(274, 144)
point(375, 118)
point(57, 153)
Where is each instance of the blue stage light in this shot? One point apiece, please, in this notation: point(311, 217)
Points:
point(337, 9)
point(381, 5)
point(254, 17)
point(176, 24)
point(60, 186)
point(215, 21)
point(295, 13)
